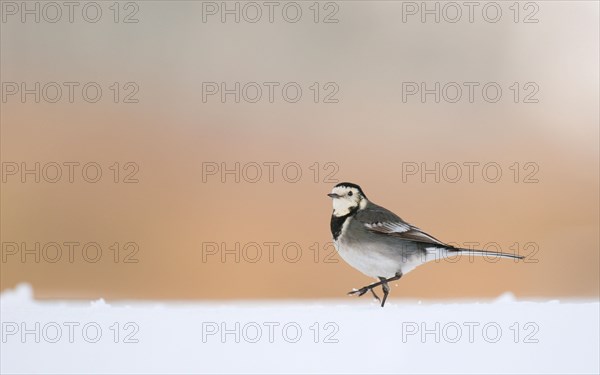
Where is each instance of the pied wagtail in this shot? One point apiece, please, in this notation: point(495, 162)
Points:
point(379, 243)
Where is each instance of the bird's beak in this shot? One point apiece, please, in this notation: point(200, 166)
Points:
point(333, 195)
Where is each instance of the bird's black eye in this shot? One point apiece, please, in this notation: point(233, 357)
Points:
point(349, 193)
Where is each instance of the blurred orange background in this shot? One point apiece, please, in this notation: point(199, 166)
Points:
point(177, 210)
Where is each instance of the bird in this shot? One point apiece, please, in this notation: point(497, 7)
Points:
point(381, 245)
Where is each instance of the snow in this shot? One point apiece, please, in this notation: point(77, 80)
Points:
point(334, 336)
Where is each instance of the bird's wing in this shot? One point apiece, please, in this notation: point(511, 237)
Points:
point(380, 220)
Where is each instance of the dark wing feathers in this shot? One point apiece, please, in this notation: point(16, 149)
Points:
point(380, 220)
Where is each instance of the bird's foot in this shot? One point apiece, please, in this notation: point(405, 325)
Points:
point(360, 291)
point(364, 290)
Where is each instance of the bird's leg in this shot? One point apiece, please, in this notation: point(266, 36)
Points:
point(382, 281)
point(386, 289)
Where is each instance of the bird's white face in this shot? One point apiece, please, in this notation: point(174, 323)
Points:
point(346, 198)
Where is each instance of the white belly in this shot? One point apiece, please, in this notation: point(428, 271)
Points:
point(373, 263)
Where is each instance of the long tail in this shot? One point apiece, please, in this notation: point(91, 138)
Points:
point(481, 253)
point(438, 252)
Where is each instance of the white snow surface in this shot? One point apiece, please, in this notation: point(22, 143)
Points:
point(334, 336)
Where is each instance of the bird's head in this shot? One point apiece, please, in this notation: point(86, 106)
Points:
point(347, 197)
